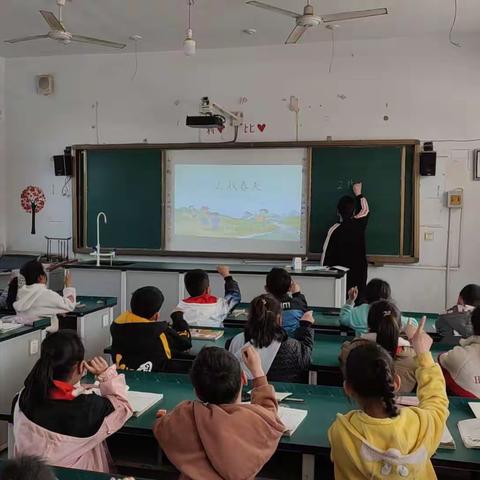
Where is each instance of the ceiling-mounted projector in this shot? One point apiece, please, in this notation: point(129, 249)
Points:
point(206, 121)
point(208, 117)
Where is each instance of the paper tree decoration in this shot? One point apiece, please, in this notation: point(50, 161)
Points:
point(33, 201)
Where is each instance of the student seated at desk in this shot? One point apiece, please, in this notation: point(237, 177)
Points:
point(357, 317)
point(26, 468)
point(34, 300)
point(59, 420)
point(287, 292)
point(457, 319)
point(461, 365)
point(217, 436)
point(384, 323)
point(284, 358)
point(380, 440)
point(140, 341)
point(203, 309)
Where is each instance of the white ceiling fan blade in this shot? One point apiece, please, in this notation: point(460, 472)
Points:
point(25, 39)
point(296, 34)
point(272, 8)
point(338, 17)
point(53, 22)
point(97, 41)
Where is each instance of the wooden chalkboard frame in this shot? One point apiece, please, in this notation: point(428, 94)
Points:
point(79, 193)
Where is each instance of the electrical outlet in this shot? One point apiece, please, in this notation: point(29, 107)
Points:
point(428, 236)
point(105, 320)
point(33, 347)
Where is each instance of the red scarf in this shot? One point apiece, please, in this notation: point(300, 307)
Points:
point(62, 391)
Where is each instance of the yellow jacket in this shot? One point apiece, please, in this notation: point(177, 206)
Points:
point(363, 447)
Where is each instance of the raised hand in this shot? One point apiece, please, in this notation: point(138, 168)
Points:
point(294, 287)
point(68, 279)
point(420, 340)
point(352, 295)
point(223, 270)
point(96, 366)
point(252, 361)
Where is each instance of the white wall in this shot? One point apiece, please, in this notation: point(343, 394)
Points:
point(3, 161)
point(428, 89)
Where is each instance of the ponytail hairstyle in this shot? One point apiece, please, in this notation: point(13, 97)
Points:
point(60, 353)
point(369, 372)
point(263, 326)
point(385, 319)
point(31, 272)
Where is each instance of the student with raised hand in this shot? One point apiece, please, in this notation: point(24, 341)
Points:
point(202, 308)
point(61, 421)
point(217, 436)
point(294, 304)
point(34, 300)
point(284, 358)
point(141, 341)
point(456, 321)
point(380, 440)
point(384, 324)
point(461, 365)
point(357, 317)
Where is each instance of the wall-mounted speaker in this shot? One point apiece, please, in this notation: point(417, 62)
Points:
point(428, 163)
point(63, 164)
point(44, 84)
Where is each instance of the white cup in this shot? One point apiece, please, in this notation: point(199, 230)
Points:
point(297, 263)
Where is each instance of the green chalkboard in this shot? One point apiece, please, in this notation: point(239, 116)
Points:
point(127, 186)
point(386, 172)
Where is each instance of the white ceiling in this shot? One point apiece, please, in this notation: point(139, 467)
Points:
point(219, 23)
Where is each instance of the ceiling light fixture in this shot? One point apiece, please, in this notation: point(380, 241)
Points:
point(189, 44)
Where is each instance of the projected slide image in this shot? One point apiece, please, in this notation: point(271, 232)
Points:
point(260, 202)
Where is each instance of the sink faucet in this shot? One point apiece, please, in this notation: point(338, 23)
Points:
point(97, 252)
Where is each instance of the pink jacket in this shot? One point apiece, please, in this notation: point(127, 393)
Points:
point(88, 453)
point(222, 442)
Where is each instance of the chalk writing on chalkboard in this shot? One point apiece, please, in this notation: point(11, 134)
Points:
point(346, 184)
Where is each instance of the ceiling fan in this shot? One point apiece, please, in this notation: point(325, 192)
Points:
point(59, 33)
point(308, 18)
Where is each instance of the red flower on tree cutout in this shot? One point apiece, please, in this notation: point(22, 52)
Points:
point(33, 201)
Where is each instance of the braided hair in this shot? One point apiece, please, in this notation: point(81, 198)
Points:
point(369, 371)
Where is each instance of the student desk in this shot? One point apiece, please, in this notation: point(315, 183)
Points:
point(326, 349)
point(91, 320)
point(324, 369)
point(19, 350)
point(310, 440)
point(326, 319)
point(123, 277)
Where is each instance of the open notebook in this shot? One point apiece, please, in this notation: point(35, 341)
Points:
point(140, 401)
point(279, 396)
point(291, 418)
point(470, 429)
point(447, 441)
point(206, 334)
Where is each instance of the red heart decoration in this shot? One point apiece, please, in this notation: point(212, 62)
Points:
point(220, 129)
point(261, 126)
